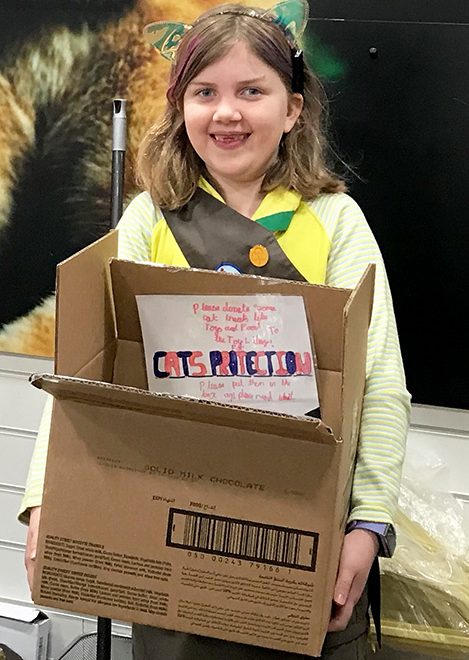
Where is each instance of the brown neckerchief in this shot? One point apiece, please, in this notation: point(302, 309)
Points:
point(210, 233)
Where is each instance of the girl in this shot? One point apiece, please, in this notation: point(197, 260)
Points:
point(235, 179)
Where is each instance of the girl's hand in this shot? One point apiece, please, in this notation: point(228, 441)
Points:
point(358, 553)
point(31, 543)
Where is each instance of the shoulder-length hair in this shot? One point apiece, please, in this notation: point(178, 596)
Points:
point(167, 164)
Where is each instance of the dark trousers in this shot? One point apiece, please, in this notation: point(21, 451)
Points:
point(157, 644)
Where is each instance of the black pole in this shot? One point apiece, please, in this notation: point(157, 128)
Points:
point(103, 647)
point(119, 125)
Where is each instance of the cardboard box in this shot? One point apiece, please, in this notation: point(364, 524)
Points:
point(23, 631)
point(190, 515)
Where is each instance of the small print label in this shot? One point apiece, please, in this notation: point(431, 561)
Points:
point(242, 539)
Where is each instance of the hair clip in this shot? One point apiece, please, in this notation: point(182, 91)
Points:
point(291, 16)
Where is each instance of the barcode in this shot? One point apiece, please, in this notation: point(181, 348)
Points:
point(242, 539)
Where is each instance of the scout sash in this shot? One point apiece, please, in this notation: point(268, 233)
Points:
point(214, 236)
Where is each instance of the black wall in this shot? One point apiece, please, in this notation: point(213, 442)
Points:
point(399, 105)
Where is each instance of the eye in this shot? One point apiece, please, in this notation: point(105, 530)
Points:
point(251, 91)
point(206, 92)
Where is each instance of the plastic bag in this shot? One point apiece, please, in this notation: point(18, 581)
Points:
point(426, 583)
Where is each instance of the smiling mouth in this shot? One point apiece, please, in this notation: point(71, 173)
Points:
point(230, 138)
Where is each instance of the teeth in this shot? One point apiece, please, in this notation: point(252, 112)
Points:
point(229, 138)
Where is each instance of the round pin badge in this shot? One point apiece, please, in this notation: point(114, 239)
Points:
point(258, 255)
point(226, 267)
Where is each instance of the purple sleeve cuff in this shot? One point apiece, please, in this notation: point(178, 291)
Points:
point(384, 531)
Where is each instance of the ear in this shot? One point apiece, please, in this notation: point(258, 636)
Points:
point(294, 108)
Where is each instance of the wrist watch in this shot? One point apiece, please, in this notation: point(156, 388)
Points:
point(384, 531)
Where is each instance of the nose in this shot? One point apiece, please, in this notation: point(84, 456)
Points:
point(226, 111)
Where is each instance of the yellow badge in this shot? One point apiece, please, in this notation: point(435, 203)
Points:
point(258, 255)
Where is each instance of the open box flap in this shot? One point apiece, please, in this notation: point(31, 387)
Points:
point(106, 394)
point(130, 279)
point(84, 321)
point(357, 316)
point(129, 369)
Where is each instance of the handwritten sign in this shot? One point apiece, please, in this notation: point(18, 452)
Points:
point(251, 351)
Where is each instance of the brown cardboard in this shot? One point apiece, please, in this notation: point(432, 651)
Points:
point(127, 469)
point(84, 323)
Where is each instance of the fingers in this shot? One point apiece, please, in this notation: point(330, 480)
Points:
point(342, 586)
point(340, 615)
point(30, 562)
point(30, 573)
point(345, 598)
point(358, 553)
point(31, 544)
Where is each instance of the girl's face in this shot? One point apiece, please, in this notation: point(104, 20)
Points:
point(235, 112)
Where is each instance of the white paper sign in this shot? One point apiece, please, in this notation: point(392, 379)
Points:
point(250, 351)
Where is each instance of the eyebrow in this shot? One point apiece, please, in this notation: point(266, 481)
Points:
point(240, 82)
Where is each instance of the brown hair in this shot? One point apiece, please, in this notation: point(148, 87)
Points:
point(168, 166)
